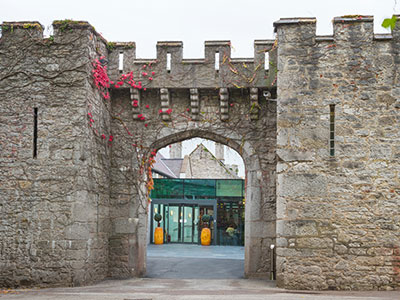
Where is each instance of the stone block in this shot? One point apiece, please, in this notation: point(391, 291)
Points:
point(77, 231)
point(301, 185)
point(125, 225)
point(83, 211)
point(260, 229)
point(296, 228)
point(314, 243)
point(294, 155)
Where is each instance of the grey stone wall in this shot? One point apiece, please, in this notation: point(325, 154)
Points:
point(203, 102)
point(77, 211)
point(197, 73)
point(254, 139)
point(203, 164)
point(53, 207)
point(338, 216)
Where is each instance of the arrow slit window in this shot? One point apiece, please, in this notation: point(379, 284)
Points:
point(332, 130)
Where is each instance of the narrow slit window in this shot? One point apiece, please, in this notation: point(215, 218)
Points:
point(266, 60)
point(332, 130)
point(121, 62)
point(217, 61)
point(35, 131)
point(168, 62)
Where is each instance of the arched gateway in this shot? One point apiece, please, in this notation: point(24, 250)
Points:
point(322, 163)
point(80, 167)
point(254, 139)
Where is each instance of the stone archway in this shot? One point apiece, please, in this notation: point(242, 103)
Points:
point(252, 168)
point(253, 139)
point(81, 195)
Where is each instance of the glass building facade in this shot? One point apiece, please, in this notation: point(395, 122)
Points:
point(182, 203)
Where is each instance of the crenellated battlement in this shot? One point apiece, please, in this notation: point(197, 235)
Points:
point(349, 29)
point(216, 69)
point(26, 28)
point(35, 29)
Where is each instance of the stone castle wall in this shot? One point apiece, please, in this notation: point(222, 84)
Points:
point(77, 212)
point(54, 207)
point(338, 215)
point(255, 140)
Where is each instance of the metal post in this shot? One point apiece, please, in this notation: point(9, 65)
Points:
point(215, 222)
point(272, 272)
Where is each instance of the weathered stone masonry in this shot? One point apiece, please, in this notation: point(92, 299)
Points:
point(338, 216)
point(77, 212)
point(54, 208)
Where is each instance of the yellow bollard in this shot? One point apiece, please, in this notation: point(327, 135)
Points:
point(158, 236)
point(206, 237)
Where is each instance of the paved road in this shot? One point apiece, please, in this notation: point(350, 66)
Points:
point(193, 289)
point(176, 261)
point(202, 269)
point(194, 268)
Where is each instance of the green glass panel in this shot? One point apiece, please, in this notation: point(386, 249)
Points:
point(167, 188)
point(196, 188)
point(199, 188)
point(230, 188)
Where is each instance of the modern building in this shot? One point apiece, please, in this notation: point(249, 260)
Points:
point(198, 184)
point(182, 203)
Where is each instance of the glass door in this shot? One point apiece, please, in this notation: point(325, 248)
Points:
point(181, 223)
point(196, 224)
point(173, 227)
point(188, 224)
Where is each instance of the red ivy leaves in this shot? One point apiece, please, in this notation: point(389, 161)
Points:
point(168, 111)
point(103, 82)
point(100, 77)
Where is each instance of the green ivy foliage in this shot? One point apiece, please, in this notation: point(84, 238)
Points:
point(389, 23)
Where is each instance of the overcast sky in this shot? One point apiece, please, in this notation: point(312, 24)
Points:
point(193, 22)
